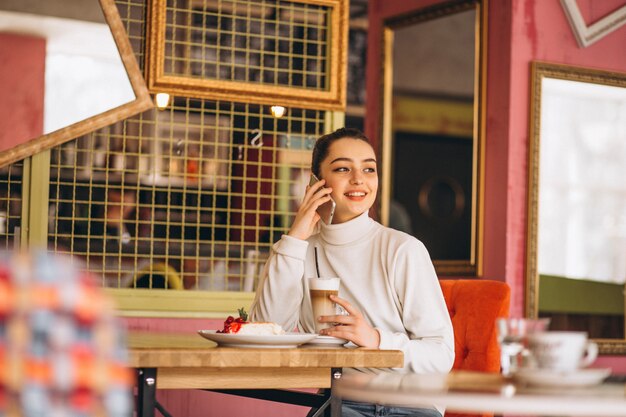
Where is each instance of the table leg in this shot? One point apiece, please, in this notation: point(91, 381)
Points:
point(324, 404)
point(146, 392)
point(334, 410)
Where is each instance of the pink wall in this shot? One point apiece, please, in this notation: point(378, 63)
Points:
point(519, 32)
point(22, 79)
point(540, 31)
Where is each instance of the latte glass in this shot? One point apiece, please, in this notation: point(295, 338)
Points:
point(320, 290)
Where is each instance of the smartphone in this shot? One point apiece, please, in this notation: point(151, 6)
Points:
point(326, 210)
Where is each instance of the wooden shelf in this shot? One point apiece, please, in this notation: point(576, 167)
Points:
point(354, 110)
point(359, 23)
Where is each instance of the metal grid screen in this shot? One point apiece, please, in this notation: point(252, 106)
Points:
point(10, 205)
point(191, 197)
point(134, 14)
point(265, 42)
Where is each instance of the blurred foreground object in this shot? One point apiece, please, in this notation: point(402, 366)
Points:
point(62, 350)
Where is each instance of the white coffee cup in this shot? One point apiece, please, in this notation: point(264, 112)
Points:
point(320, 290)
point(561, 350)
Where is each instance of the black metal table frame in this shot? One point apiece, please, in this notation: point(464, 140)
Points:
point(322, 403)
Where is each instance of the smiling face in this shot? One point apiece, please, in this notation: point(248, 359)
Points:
point(350, 170)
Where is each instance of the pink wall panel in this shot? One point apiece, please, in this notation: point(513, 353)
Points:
point(540, 31)
point(519, 32)
point(496, 149)
point(22, 80)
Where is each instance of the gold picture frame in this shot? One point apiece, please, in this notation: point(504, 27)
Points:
point(332, 97)
point(396, 111)
point(565, 85)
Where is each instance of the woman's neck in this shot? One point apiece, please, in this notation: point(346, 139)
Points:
point(348, 231)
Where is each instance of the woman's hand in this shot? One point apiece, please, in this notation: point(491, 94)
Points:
point(352, 327)
point(306, 217)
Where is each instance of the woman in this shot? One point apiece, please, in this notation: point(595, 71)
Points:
point(388, 283)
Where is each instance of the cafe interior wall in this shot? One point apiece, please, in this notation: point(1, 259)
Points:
point(519, 32)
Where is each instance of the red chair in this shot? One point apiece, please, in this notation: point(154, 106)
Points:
point(474, 305)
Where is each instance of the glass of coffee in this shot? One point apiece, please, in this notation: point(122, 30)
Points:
point(320, 290)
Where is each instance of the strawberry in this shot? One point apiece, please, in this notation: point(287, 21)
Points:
point(232, 325)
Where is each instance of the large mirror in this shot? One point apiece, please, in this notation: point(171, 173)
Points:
point(68, 69)
point(433, 130)
point(577, 202)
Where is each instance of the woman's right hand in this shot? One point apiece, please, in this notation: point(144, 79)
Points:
point(303, 225)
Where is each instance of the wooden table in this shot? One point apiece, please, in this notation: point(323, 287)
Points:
point(474, 392)
point(188, 361)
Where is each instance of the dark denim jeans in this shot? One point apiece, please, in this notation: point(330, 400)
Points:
point(354, 409)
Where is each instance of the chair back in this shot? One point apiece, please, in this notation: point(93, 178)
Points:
point(474, 305)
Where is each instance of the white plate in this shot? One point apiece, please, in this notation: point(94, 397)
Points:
point(549, 378)
point(287, 340)
point(328, 340)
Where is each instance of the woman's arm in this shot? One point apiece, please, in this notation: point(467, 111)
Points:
point(427, 340)
point(428, 343)
point(279, 293)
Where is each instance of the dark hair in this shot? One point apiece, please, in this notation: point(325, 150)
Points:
point(322, 145)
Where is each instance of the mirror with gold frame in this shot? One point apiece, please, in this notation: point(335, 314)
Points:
point(59, 25)
point(576, 267)
point(433, 130)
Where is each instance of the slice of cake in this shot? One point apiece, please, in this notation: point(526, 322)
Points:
point(260, 329)
point(242, 326)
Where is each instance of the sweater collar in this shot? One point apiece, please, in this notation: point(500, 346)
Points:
point(347, 232)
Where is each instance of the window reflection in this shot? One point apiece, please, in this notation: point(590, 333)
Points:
point(582, 215)
point(84, 74)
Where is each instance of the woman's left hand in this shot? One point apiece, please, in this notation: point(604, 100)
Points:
point(352, 327)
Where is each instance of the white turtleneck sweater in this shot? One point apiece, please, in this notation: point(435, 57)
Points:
point(385, 274)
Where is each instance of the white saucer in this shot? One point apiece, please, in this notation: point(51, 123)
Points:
point(327, 340)
point(286, 340)
point(550, 378)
